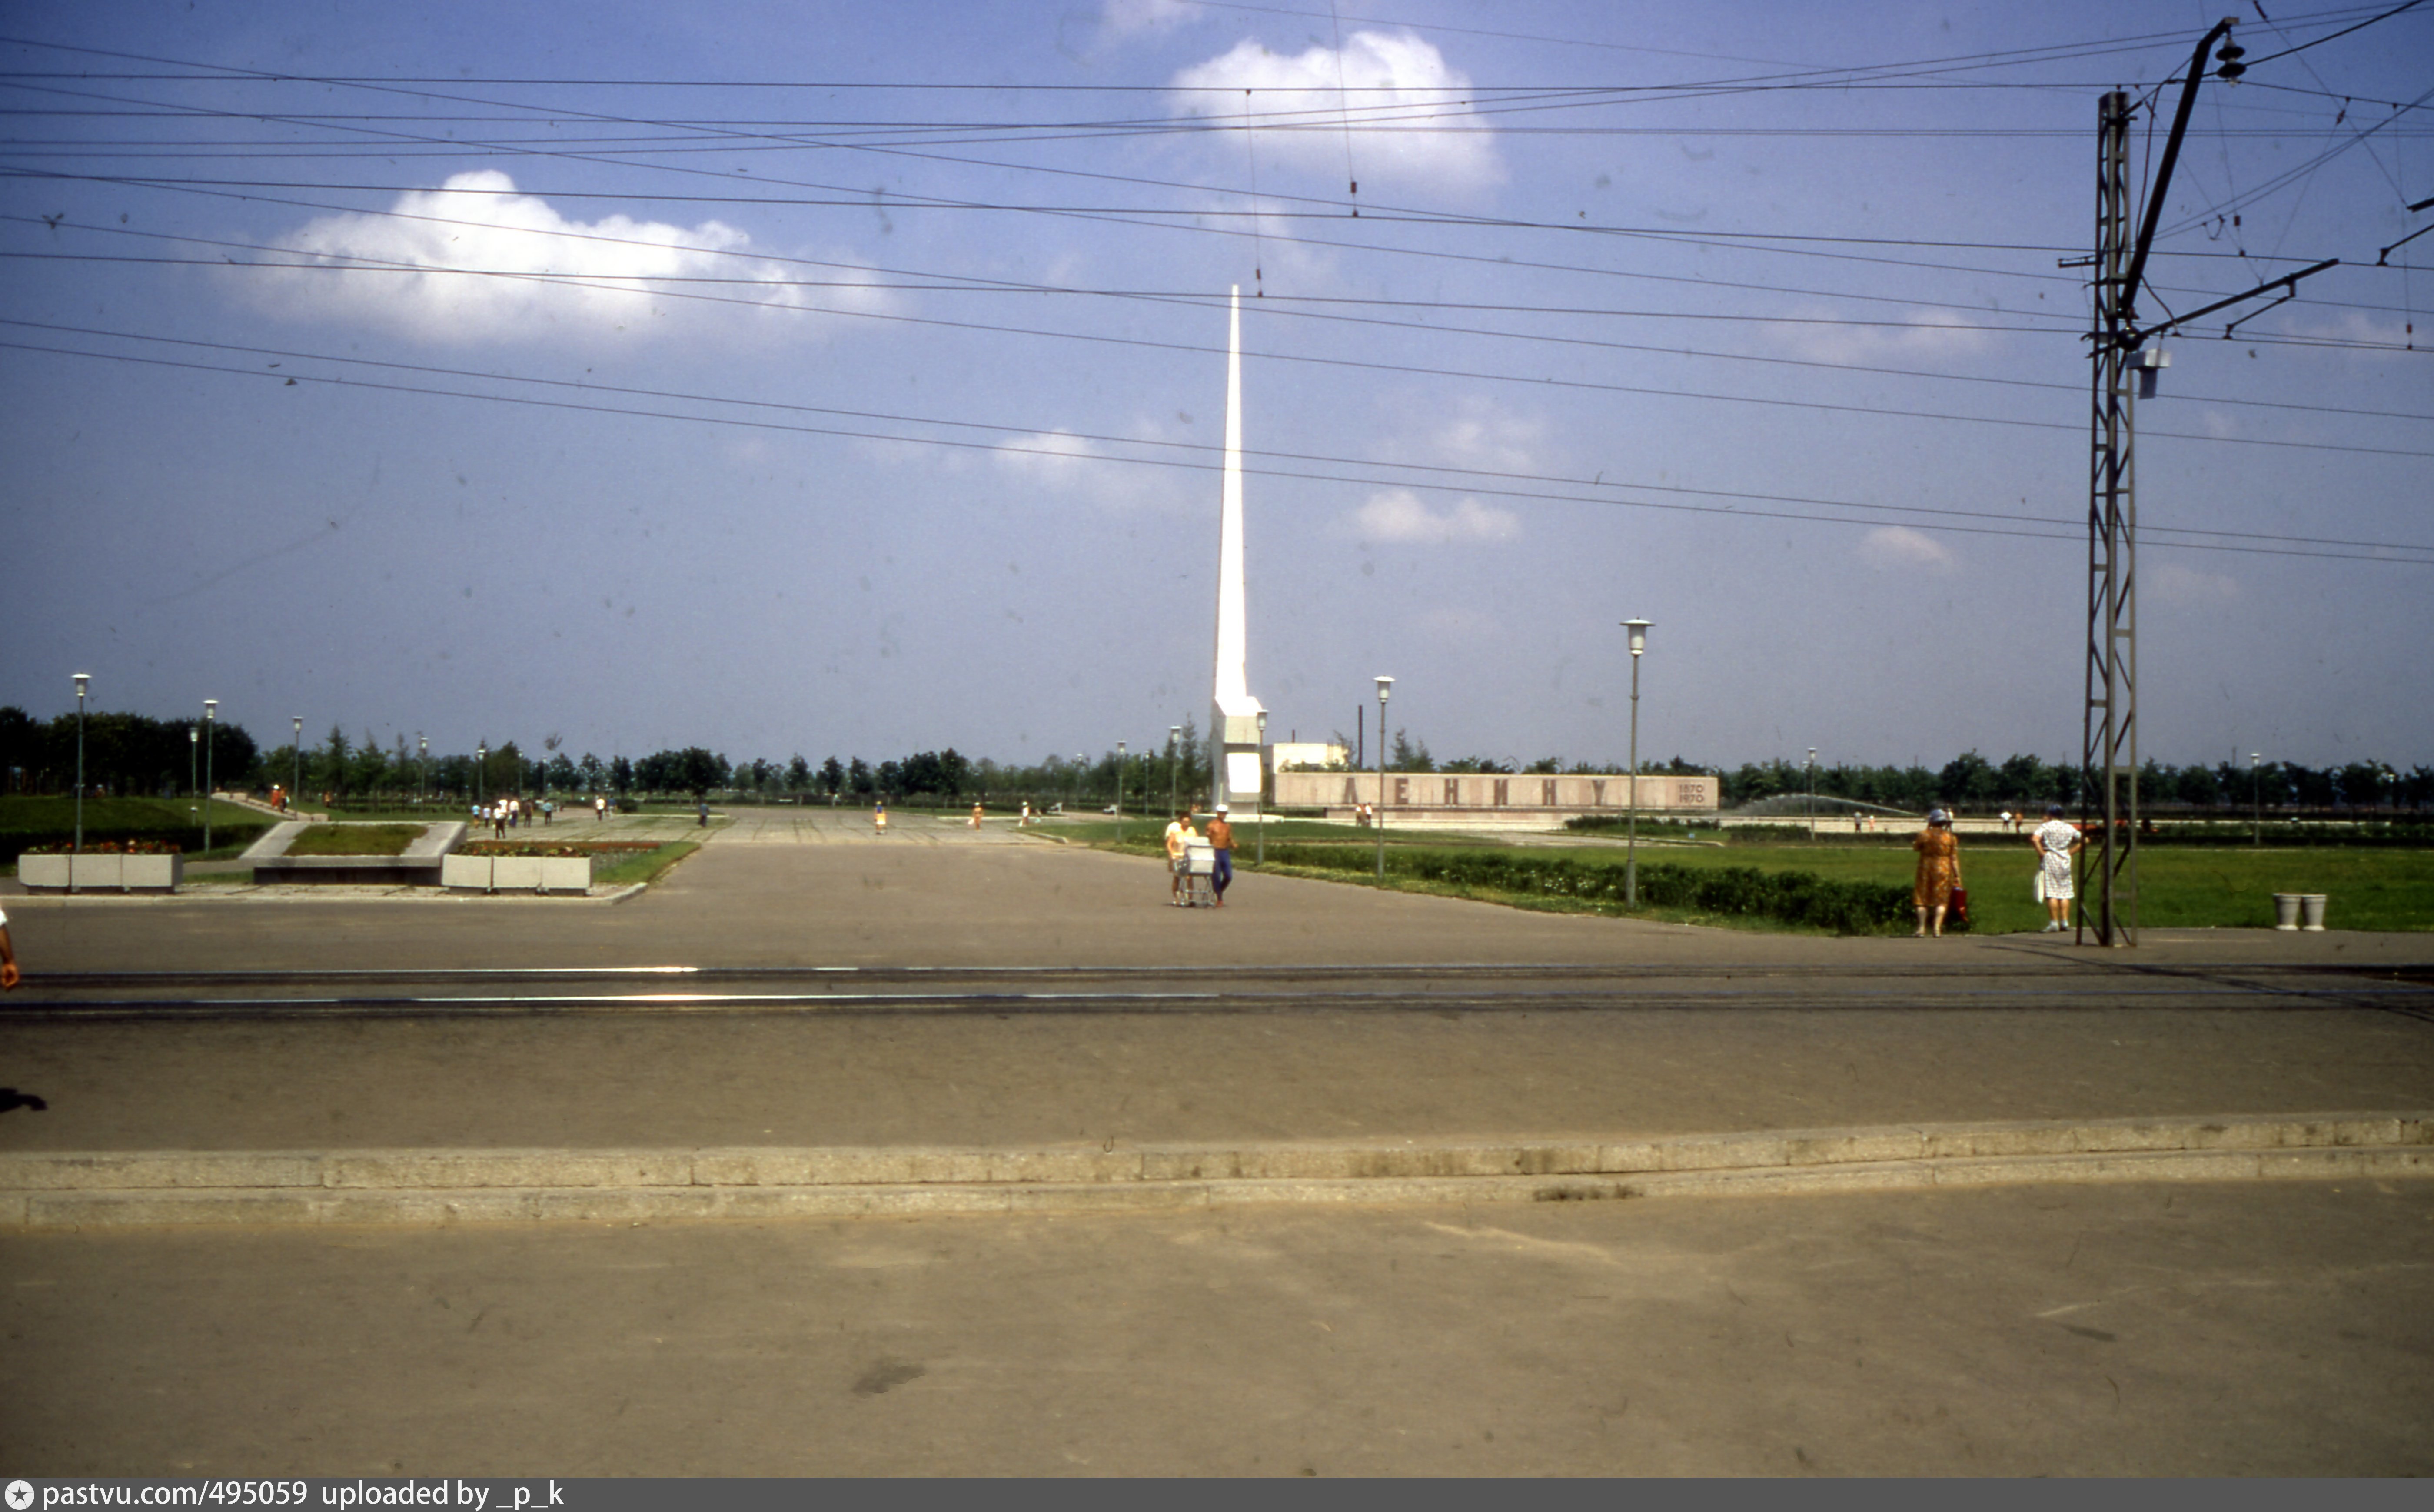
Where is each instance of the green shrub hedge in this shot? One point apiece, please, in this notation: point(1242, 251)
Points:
point(1793, 896)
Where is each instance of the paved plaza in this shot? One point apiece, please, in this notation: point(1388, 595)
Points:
point(941, 988)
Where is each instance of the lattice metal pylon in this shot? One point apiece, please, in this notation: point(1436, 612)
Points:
point(2108, 898)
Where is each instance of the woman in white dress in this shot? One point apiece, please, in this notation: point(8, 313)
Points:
point(2056, 842)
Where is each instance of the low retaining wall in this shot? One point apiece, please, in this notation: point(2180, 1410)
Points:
point(516, 873)
point(110, 872)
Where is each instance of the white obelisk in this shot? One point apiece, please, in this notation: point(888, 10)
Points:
point(1234, 725)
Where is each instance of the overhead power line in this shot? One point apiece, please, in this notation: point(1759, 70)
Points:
point(1206, 462)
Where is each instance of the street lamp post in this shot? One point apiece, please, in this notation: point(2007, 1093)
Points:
point(1079, 757)
point(1173, 741)
point(1378, 820)
point(210, 729)
point(1265, 785)
point(76, 852)
point(194, 760)
point(296, 773)
point(422, 778)
point(2255, 800)
point(1638, 630)
point(481, 760)
point(1811, 770)
point(1120, 792)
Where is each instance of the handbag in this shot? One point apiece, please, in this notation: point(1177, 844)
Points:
point(1958, 910)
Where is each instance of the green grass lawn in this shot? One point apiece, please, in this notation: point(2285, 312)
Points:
point(28, 821)
point(2376, 889)
point(641, 866)
point(355, 840)
point(2382, 888)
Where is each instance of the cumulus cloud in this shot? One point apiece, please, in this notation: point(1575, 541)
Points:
point(1408, 115)
point(1926, 336)
point(1399, 515)
point(476, 263)
point(1480, 432)
point(2185, 587)
point(1059, 463)
point(1900, 546)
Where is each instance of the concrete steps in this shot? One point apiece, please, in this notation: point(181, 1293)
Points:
point(434, 1186)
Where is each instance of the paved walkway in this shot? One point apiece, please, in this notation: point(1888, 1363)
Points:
point(939, 1008)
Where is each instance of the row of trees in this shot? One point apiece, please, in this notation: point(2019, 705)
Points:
point(1971, 781)
point(132, 754)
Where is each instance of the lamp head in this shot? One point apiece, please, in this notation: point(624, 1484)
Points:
point(1638, 630)
point(299, 721)
point(1385, 686)
point(194, 735)
point(210, 709)
point(81, 679)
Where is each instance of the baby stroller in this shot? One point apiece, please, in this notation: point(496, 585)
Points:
point(1199, 874)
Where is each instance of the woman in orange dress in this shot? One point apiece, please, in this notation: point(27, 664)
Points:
point(1938, 870)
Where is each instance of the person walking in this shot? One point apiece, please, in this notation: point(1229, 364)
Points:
point(599, 809)
point(8, 973)
point(1221, 840)
point(2055, 842)
point(976, 815)
point(1939, 871)
point(1178, 837)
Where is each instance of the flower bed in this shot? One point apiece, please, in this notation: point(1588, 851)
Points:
point(551, 847)
point(111, 847)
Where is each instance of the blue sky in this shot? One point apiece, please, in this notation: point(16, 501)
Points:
point(846, 379)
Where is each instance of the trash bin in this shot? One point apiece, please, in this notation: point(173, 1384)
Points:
point(2286, 910)
point(2311, 912)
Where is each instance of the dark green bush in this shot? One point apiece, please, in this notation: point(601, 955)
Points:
point(1793, 896)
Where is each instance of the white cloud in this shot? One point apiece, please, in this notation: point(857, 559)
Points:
point(476, 263)
point(1408, 114)
point(1483, 433)
point(1398, 515)
point(1059, 463)
point(1900, 546)
point(2185, 587)
point(1927, 335)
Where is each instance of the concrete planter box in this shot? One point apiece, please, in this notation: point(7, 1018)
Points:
point(518, 873)
point(111, 873)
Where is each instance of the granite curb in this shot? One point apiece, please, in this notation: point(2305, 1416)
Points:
point(427, 1186)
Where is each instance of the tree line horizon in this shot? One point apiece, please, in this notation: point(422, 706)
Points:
point(135, 755)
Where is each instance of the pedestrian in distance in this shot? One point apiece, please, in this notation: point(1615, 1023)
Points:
point(1178, 839)
point(2055, 842)
point(1939, 871)
point(879, 816)
point(9, 976)
point(1221, 840)
point(599, 809)
point(976, 815)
